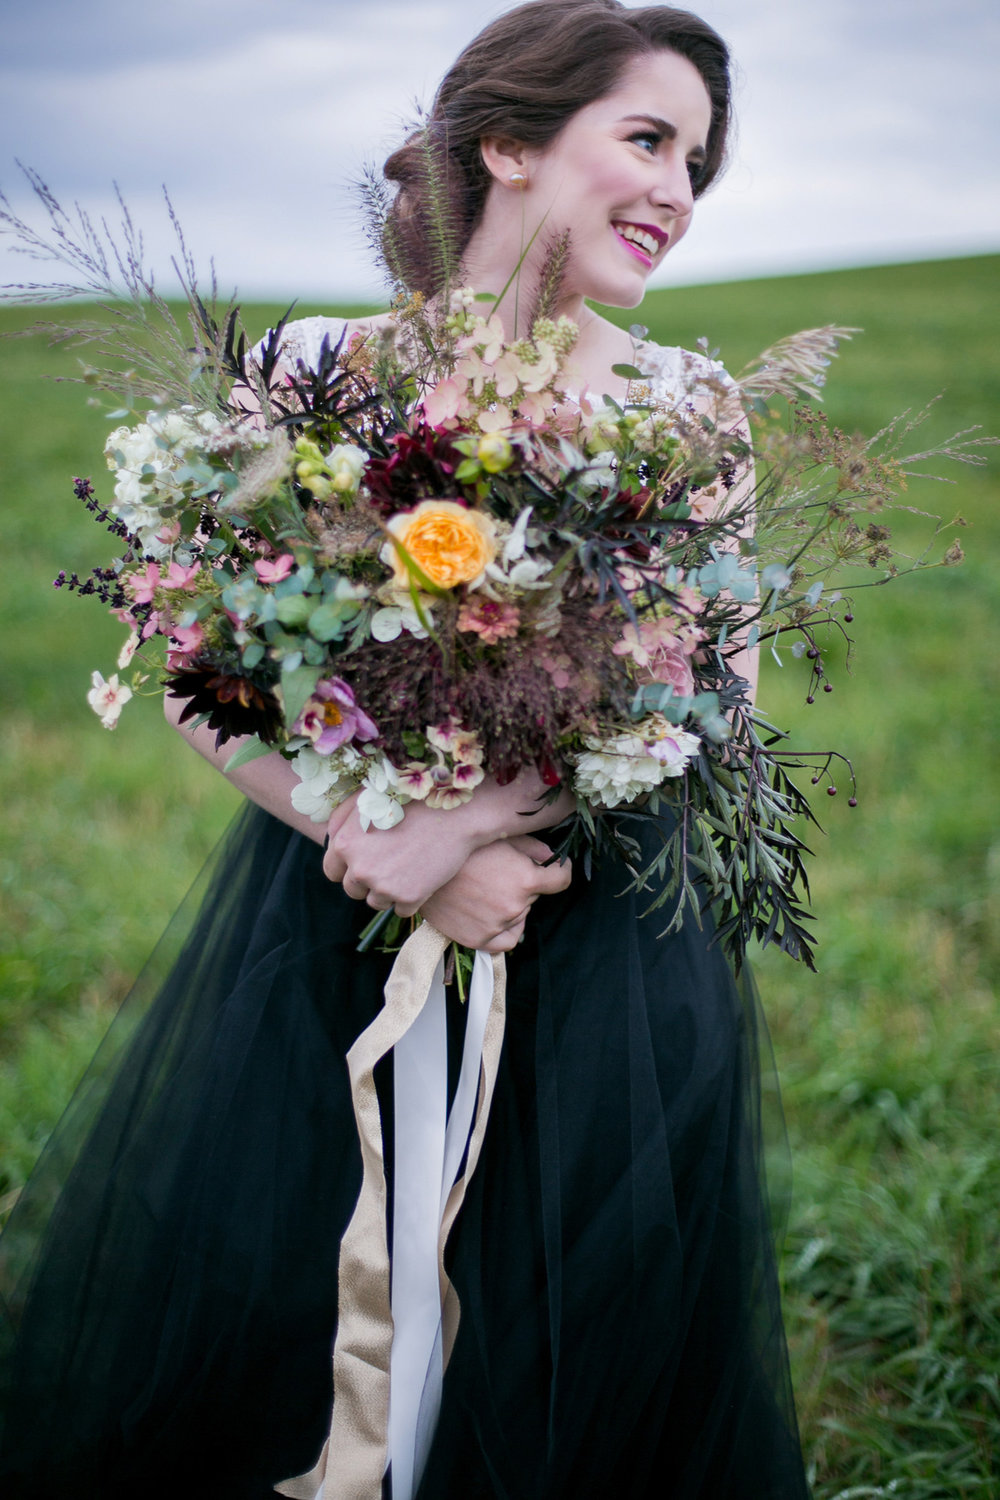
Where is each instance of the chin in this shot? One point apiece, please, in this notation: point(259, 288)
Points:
point(618, 296)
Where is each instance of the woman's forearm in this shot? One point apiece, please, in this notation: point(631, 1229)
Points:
point(494, 812)
point(268, 781)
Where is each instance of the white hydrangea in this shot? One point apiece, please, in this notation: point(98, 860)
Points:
point(160, 445)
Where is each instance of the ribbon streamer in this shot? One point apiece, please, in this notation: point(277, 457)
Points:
point(368, 1425)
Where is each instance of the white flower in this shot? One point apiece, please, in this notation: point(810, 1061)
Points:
point(346, 464)
point(146, 458)
point(324, 780)
point(127, 652)
point(380, 803)
point(599, 473)
point(107, 699)
point(626, 766)
point(513, 566)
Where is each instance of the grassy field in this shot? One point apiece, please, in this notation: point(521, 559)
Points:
point(889, 1057)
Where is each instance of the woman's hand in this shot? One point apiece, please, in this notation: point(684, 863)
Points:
point(487, 903)
point(405, 865)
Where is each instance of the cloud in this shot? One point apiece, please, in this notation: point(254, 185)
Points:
point(867, 130)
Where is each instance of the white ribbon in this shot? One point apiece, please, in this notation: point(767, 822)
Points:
point(428, 1152)
point(397, 1325)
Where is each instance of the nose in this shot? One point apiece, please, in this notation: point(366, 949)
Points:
point(673, 190)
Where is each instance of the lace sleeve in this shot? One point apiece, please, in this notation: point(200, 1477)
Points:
point(303, 339)
point(675, 373)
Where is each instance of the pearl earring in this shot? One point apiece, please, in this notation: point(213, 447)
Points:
point(518, 180)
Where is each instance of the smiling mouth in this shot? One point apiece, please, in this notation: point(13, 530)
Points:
point(642, 240)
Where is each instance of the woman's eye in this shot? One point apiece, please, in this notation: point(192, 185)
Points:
point(647, 140)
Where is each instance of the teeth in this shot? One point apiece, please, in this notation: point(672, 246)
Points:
point(647, 242)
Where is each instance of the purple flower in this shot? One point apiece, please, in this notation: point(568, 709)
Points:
point(331, 717)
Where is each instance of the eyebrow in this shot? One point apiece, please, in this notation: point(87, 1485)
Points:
point(664, 128)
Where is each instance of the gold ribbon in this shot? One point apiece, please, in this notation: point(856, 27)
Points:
point(353, 1460)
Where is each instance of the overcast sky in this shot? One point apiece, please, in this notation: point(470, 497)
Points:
point(869, 129)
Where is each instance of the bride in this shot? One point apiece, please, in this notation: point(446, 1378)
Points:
point(170, 1332)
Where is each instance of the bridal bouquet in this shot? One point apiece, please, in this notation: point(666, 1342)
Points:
point(429, 557)
point(425, 561)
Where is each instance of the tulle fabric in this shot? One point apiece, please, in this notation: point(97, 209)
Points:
point(169, 1276)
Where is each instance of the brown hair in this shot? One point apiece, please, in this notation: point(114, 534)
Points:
point(523, 77)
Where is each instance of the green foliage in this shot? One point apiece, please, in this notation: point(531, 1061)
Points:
point(889, 1058)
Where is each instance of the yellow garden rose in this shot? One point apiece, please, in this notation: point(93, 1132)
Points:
point(449, 542)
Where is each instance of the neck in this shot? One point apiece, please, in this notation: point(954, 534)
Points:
point(501, 254)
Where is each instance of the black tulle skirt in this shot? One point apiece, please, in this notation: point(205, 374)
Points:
point(169, 1275)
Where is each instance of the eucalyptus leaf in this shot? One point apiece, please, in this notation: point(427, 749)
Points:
point(252, 749)
point(330, 621)
point(627, 372)
point(293, 611)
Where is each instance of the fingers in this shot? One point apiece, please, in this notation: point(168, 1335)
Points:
point(555, 877)
point(506, 940)
point(551, 876)
point(334, 864)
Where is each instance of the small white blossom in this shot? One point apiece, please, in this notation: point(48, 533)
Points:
point(380, 803)
point(324, 780)
point(346, 464)
point(107, 699)
point(127, 652)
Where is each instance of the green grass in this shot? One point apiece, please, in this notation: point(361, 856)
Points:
point(888, 1058)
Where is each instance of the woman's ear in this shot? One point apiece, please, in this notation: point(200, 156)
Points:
point(505, 159)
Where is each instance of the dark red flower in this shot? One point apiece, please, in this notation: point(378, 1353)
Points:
point(235, 705)
point(422, 467)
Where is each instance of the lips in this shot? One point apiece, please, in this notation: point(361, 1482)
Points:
point(643, 241)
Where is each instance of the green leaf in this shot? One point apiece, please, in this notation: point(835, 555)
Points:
point(251, 749)
point(253, 655)
point(329, 622)
point(294, 611)
point(297, 688)
point(627, 372)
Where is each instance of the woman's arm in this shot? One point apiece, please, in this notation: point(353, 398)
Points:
point(267, 781)
point(402, 866)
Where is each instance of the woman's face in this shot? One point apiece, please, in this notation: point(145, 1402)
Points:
point(618, 177)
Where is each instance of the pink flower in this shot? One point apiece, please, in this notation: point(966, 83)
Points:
point(152, 625)
point(489, 618)
point(142, 586)
point(331, 717)
point(274, 572)
point(662, 646)
point(179, 577)
point(185, 641)
point(535, 409)
point(557, 665)
point(446, 402)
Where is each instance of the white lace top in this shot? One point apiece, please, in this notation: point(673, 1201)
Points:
point(671, 370)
